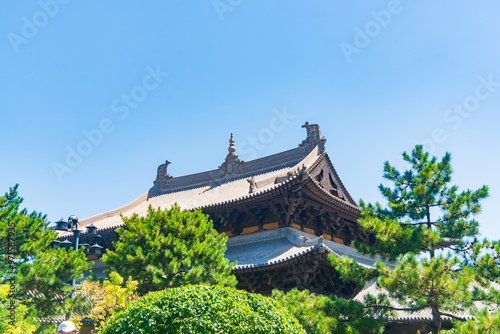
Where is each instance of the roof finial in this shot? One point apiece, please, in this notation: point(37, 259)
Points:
point(232, 162)
point(231, 148)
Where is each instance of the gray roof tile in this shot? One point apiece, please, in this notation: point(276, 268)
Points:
point(280, 245)
point(406, 316)
point(213, 191)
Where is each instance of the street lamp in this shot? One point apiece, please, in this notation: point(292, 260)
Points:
point(61, 225)
point(96, 249)
point(55, 244)
point(91, 229)
point(66, 244)
point(72, 226)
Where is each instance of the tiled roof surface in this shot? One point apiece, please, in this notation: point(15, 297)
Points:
point(217, 191)
point(280, 245)
point(405, 316)
point(286, 159)
point(268, 248)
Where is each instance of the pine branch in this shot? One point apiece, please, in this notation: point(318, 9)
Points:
point(412, 309)
point(452, 316)
point(419, 223)
point(431, 187)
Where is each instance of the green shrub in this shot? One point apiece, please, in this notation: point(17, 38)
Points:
point(202, 309)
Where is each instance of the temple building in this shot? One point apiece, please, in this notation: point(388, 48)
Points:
point(283, 214)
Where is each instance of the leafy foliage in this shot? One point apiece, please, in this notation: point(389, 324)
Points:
point(14, 318)
point(41, 274)
point(484, 256)
point(351, 271)
point(320, 314)
point(203, 309)
point(103, 299)
point(424, 213)
point(484, 322)
point(423, 209)
point(170, 248)
point(431, 283)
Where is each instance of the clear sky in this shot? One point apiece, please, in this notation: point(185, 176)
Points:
point(96, 94)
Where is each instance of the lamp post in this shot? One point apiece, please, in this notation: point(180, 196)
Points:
point(72, 226)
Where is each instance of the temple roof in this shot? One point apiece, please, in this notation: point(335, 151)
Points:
point(274, 247)
point(270, 164)
point(268, 248)
point(424, 315)
point(234, 181)
point(404, 316)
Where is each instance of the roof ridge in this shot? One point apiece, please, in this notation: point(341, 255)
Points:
point(285, 159)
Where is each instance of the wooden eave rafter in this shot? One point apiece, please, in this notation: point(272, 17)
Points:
point(316, 192)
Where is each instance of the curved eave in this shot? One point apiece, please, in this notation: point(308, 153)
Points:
point(421, 320)
point(327, 198)
point(320, 194)
point(111, 213)
point(319, 249)
point(313, 188)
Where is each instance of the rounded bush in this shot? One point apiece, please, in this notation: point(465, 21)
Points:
point(202, 309)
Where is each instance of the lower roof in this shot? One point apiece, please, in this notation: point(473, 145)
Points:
point(268, 248)
point(423, 315)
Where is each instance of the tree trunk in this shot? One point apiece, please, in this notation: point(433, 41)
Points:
point(429, 226)
point(436, 320)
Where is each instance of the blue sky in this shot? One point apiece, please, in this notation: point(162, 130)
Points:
point(95, 95)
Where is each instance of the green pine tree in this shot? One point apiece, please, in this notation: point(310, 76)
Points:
point(426, 226)
point(484, 256)
point(170, 248)
point(39, 276)
point(485, 322)
point(319, 314)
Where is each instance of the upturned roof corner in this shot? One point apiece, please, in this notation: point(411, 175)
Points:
point(313, 137)
point(162, 176)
